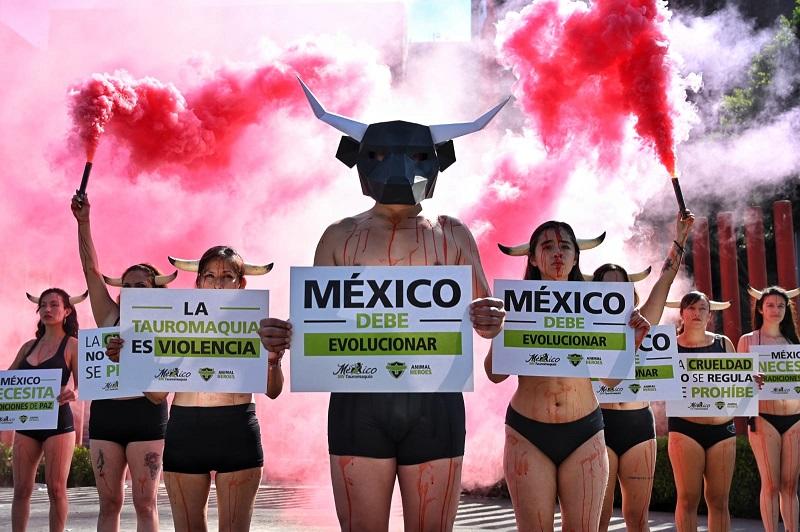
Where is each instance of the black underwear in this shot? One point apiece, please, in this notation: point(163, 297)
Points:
point(556, 440)
point(127, 420)
point(781, 423)
point(706, 435)
point(413, 428)
point(64, 426)
point(214, 438)
point(628, 428)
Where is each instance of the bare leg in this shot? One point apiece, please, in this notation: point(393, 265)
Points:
point(531, 479)
point(25, 460)
point(766, 445)
point(582, 480)
point(688, 462)
point(720, 461)
point(790, 470)
point(608, 498)
point(430, 493)
point(188, 498)
point(236, 495)
point(362, 490)
point(58, 459)
point(109, 466)
point(144, 460)
point(636, 471)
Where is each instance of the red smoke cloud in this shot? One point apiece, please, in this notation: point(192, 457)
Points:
point(160, 125)
point(584, 71)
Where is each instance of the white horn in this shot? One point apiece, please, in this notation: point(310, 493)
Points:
point(113, 281)
point(164, 280)
point(346, 125)
point(515, 251)
point(444, 132)
point(186, 265)
point(755, 294)
point(257, 269)
point(32, 299)
point(78, 299)
point(589, 243)
point(640, 276)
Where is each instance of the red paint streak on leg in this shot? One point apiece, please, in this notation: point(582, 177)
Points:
point(446, 505)
point(422, 490)
point(345, 461)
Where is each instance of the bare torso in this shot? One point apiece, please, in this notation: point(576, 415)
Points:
point(554, 399)
point(401, 236)
point(777, 407)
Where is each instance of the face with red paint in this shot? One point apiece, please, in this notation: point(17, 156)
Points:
point(554, 254)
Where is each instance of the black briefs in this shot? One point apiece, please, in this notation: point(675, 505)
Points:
point(213, 438)
point(782, 423)
point(556, 440)
point(414, 428)
point(64, 426)
point(706, 435)
point(628, 428)
point(123, 421)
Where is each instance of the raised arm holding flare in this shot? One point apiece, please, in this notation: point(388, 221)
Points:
point(125, 433)
point(630, 427)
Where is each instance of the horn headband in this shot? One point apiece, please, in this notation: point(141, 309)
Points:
point(189, 265)
point(633, 277)
point(712, 305)
point(758, 294)
point(525, 249)
point(160, 280)
point(73, 300)
point(440, 133)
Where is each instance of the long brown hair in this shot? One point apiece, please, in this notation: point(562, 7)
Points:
point(227, 254)
point(787, 326)
point(70, 324)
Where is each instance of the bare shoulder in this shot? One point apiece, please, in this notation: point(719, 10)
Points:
point(23, 350)
point(325, 254)
point(456, 226)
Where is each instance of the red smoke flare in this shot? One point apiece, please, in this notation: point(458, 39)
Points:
point(584, 71)
point(161, 125)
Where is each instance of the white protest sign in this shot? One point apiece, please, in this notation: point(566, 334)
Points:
point(780, 365)
point(656, 378)
point(716, 384)
point(28, 399)
point(565, 329)
point(98, 376)
point(193, 340)
point(381, 329)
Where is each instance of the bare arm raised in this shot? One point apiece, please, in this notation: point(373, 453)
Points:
point(104, 309)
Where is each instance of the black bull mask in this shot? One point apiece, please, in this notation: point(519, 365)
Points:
point(397, 161)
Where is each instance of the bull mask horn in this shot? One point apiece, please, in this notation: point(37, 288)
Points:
point(160, 280)
point(758, 294)
point(444, 132)
point(524, 249)
point(712, 305)
point(188, 265)
point(633, 277)
point(73, 300)
point(346, 125)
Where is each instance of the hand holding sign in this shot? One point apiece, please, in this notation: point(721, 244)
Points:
point(275, 334)
point(487, 315)
point(640, 324)
point(113, 348)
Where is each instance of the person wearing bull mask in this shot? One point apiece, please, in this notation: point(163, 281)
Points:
point(125, 433)
point(216, 431)
point(417, 438)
